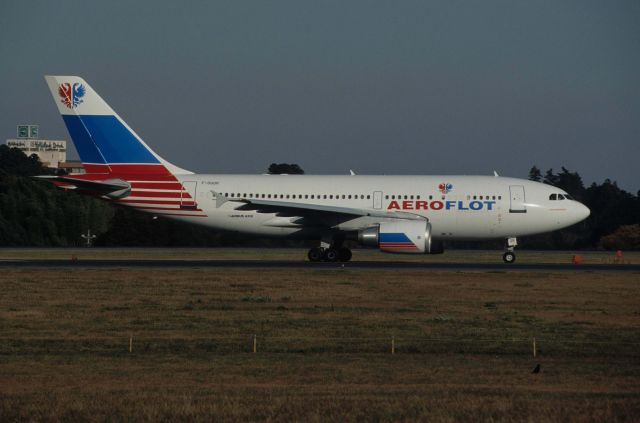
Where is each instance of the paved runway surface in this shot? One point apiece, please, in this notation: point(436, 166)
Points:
point(291, 264)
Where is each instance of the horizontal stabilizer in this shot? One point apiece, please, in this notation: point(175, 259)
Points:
point(113, 188)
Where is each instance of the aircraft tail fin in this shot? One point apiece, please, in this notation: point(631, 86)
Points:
point(105, 143)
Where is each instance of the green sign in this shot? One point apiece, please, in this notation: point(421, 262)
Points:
point(33, 131)
point(23, 131)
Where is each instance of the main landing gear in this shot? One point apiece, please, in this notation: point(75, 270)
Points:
point(331, 249)
point(333, 254)
point(509, 256)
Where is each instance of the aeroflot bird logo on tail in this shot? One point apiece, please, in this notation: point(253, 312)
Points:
point(71, 95)
point(445, 188)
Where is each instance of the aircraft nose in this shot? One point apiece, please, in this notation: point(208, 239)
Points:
point(581, 212)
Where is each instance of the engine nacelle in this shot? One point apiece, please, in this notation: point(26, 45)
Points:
point(401, 236)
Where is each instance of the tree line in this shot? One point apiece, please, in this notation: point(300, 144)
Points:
point(34, 213)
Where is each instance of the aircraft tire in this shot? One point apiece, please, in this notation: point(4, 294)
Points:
point(315, 254)
point(509, 257)
point(344, 254)
point(331, 254)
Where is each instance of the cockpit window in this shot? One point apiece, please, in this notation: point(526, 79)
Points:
point(568, 197)
point(553, 197)
point(560, 197)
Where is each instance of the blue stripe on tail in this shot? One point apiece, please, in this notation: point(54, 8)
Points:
point(93, 135)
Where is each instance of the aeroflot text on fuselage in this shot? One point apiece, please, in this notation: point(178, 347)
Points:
point(441, 205)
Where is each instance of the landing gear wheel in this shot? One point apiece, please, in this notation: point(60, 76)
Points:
point(509, 257)
point(331, 254)
point(315, 254)
point(344, 254)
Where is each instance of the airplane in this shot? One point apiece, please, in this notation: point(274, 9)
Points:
point(396, 214)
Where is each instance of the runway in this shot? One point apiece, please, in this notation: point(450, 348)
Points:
point(295, 264)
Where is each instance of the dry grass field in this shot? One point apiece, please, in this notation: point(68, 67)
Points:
point(463, 345)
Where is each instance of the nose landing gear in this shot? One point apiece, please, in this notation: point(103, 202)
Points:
point(509, 256)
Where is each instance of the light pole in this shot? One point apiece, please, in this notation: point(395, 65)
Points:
point(89, 237)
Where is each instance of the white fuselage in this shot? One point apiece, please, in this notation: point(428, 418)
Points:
point(474, 208)
point(394, 213)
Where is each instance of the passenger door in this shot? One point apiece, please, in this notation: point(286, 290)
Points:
point(188, 195)
point(517, 199)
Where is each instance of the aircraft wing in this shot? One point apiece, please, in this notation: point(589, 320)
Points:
point(303, 209)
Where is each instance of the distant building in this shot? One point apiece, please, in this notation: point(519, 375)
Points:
point(52, 153)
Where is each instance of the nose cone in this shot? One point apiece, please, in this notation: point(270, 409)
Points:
point(584, 211)
point(580, 212)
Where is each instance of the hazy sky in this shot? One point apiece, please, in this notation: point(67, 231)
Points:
point(394, 87)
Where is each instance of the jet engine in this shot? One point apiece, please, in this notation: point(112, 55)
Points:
point(401, 236)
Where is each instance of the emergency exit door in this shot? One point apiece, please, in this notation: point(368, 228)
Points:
point(377, 199)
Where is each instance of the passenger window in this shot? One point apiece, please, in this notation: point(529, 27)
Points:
point(368, 197)
point(393, 197)
point(418, 197)
point(431, 197)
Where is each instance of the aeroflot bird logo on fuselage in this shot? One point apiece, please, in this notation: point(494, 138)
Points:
point(71, 95)
point(445, 188)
